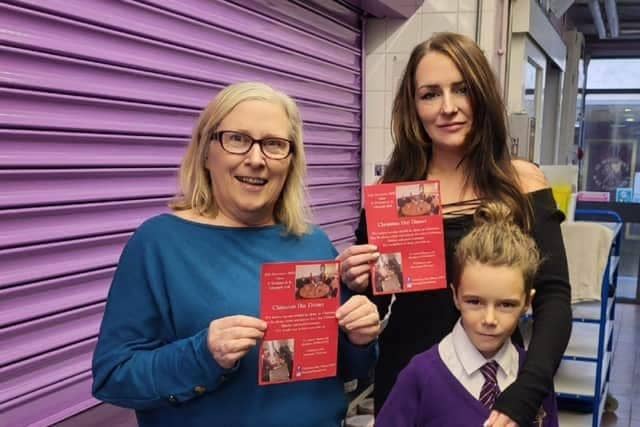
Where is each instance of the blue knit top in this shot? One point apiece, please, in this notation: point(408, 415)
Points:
point(176, 276)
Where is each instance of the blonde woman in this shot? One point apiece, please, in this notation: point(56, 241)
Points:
point(179, 334)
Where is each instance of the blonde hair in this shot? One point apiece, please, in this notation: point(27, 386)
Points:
point(291, 209)
point(497, 241)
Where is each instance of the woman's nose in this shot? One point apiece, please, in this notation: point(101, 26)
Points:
point(448, 104)
point(255, 156)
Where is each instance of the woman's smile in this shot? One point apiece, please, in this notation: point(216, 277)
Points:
point(452, 127)
point(252, 181)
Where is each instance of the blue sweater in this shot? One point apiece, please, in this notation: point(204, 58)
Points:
point(176, 276)
point(427, 394)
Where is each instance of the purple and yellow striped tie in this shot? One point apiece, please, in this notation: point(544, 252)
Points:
point(490, 389)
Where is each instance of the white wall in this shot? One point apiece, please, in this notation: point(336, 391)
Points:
point(551, 115)
point(535, 40)
point(388, 45)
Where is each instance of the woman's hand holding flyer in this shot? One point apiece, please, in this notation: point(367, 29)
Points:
point(359, 318)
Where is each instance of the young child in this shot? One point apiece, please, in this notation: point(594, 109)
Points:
point(456, 382)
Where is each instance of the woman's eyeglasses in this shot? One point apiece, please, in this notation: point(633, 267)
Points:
point(239, 143)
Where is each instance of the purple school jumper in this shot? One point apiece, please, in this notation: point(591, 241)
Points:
point(427, 394)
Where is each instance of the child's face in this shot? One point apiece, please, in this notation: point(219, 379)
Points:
point(491, 301)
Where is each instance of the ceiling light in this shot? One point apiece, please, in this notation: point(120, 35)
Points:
point(596, 14)
point(612, 17)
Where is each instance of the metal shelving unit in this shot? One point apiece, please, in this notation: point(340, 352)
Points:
point(582, 380)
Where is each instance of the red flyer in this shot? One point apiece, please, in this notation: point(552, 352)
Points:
point(299, 302)
point(405, 221)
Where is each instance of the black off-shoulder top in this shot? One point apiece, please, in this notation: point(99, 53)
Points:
point(421, 319)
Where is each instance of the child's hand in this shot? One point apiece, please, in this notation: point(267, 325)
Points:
point(498, 419)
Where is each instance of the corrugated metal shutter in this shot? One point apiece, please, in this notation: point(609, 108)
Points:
point(98, 101)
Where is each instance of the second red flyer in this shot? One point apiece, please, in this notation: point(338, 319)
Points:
point(405, 221)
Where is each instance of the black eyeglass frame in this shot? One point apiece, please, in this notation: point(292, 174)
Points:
point(218, 136)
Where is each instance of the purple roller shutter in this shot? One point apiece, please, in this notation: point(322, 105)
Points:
point(98, 100)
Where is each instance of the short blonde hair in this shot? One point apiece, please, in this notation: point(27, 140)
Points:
point(498, 242)
point(196, 191)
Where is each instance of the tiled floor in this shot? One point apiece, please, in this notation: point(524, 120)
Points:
point(625, 370)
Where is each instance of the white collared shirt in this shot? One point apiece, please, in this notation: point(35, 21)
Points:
point(464, 361)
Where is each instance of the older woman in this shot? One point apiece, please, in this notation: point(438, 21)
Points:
point(178, 338)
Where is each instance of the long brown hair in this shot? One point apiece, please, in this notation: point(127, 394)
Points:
point(489, 170)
